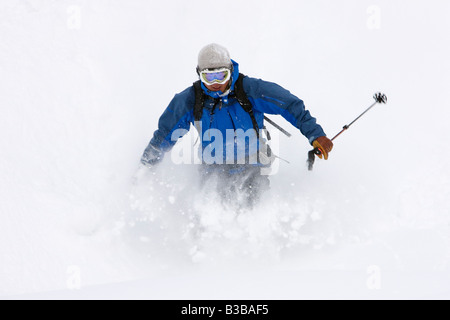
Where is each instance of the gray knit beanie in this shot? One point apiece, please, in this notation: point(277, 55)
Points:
point(214, 56)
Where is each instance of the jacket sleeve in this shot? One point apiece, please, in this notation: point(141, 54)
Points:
point(270, 98)
point(173, 124)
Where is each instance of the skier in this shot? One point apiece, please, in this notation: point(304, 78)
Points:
point(228, 110)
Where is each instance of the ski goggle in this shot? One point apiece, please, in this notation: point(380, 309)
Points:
point(219, 76)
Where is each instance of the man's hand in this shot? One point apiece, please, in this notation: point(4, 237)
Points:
point(325, 146)
point(151, 156)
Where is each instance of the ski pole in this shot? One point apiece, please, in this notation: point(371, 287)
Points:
point(278, 127)
point(379, 98)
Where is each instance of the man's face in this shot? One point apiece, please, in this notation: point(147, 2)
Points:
point(218, 87)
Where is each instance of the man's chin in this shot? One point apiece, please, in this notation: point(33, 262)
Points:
point(215, 88)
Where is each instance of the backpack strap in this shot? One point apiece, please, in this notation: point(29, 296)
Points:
point(245, 103)
point(199, 100)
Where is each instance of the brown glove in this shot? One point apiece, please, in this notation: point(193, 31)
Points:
point(325, 145)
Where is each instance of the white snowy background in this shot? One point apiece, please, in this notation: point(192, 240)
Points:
point(83, 83)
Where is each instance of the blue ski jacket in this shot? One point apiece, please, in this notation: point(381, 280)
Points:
point(224, 113)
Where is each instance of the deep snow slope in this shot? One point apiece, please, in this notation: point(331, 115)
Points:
point(83, 83)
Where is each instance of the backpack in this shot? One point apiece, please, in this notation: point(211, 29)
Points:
point(240, 95)
point(245, 103)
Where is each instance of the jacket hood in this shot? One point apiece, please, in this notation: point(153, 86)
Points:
point(220, 94)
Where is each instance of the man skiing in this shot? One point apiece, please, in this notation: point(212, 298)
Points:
point(228, 110)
